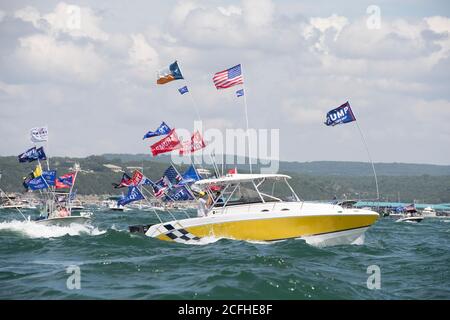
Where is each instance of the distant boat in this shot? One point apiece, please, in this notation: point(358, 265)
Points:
point(111, 204)
point(410, 214)
point(429, 212)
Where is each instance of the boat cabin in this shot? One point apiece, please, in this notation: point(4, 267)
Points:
point(240, 189)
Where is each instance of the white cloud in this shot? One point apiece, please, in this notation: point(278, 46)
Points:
point(143, 57)
point(76, 21)
point(61, 60)
point(258, 13)
point(228, 11)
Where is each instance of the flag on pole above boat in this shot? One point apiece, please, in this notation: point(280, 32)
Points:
point(195, 144)
point(228, 78)
point(65, 181)
point(167, 144)
point(29, 155)
point(134, 194)
point(161, 130)
point(124, 182)
point(340, 115)
point(37, 183)
point(190, 175)
point(172, 175)
point(49, 176)
point(183, 90)
point(179, 193)
point(39, 134)
point(38, 171)
point(171, 73)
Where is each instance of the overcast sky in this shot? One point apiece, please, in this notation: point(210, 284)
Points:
point(94, 83)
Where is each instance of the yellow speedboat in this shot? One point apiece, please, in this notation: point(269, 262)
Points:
point(246, 207)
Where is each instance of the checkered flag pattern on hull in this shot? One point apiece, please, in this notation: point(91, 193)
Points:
point(179, 235)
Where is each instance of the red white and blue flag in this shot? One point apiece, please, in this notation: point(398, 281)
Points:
point(228, 78)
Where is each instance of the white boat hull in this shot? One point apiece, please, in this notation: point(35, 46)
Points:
point(64, 221)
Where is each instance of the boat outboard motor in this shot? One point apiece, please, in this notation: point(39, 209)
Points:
point(139, 228)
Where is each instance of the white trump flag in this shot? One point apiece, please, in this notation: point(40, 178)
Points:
point(39, 134)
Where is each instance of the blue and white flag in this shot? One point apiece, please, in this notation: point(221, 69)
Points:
point(172, 175)
point(29, 155)
point(134, 194)
point(340, 115)
point(41, 153)
point(39, 134)
point(191, 175)
point(178, 194)
point(162, 130)
point(49, 176)
point(240, 93)
point(37, 183)
point(32, 154)
point(147, 181)
point(183, 90)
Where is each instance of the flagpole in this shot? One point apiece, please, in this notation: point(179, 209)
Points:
point(246, 119)
point(370, 159)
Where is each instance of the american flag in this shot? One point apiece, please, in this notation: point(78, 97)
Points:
point(228, 78)
point(172, 175)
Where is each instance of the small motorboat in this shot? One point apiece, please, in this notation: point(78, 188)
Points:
point(429, 212)
point(59, 214)
point(64, 221)
point(413, 219)
point(246, 207)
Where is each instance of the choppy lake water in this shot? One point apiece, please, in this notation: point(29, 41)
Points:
point(414, 262)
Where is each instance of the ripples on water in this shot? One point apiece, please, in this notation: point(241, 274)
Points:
point(414, 260)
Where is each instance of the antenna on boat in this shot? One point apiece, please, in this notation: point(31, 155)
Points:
point(370, 158)
point(246, 120)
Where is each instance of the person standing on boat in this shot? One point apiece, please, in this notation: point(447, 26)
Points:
point(202, 205)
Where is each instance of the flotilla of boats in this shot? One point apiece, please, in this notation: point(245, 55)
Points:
point(235, 205)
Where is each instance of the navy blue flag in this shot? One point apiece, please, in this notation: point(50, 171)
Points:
point(240, 93)
point(147, 181)
point(133, 195)
point(41, 153)
point(191, 175)
point(340, 115)
point(183, 90)
point(162, 130)
point(29, 155)
point(37, 183)
point(178, 194)
point(172, 175)
point(49, 176)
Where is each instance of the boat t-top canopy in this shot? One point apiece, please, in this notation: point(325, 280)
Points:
point(240, 177)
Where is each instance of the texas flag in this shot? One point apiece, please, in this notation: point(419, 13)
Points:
point(171, 73)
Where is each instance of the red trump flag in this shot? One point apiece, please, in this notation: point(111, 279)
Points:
point(195, 144)
point(169, 143)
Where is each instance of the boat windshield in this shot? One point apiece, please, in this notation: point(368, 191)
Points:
point(254, 192)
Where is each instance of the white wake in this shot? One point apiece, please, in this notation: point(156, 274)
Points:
point(35, 230)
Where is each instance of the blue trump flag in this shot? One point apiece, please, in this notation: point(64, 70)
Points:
point(179, 194)
point(134, 194)
point(29, 155)
point(37, 183)
point(340, 115)
point(191, 175)
point(183, 90)
point(240, 93)
point(161, 130)
point(41, 153)
point(49, 176)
